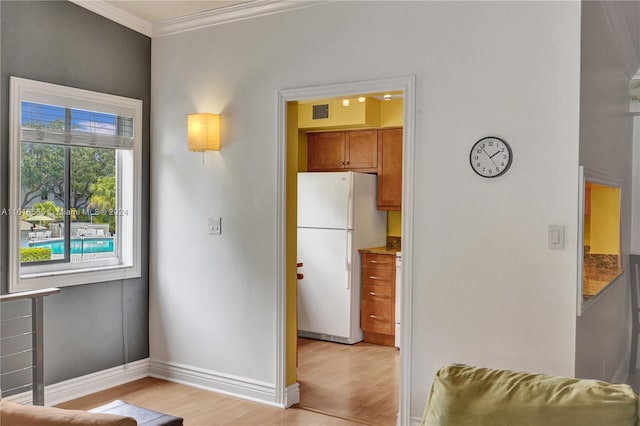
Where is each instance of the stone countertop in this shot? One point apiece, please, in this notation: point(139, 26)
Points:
point(595, 279)
point(394, 245)
point(379, 250)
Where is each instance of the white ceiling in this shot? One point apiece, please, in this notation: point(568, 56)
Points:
point(154, 11)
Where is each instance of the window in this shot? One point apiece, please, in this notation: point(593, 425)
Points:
point(74, 209)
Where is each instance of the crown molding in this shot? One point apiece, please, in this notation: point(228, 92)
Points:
point(108, 11)
point(209, 18)
point(242, 11)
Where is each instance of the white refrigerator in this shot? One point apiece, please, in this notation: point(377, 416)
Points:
point(337, 215)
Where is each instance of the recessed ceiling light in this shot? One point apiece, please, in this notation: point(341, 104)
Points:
point(345, 102)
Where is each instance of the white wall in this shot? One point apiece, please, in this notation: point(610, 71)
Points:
point(606, 146)
point(487, 290)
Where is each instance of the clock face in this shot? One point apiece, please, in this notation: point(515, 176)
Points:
point(490, 157)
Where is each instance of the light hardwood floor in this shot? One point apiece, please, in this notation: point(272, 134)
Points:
point(199, 407)
point(358, 381)
point(341, 385)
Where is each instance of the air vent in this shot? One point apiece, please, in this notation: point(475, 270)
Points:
point(320, 111)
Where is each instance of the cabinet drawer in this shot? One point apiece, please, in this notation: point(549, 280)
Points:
point(378, 293)
point(378, 277)
point(377, 317)
point(378, 261)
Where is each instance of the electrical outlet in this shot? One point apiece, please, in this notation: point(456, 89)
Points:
point(215, 225)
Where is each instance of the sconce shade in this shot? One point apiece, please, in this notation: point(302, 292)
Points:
point(203, 132)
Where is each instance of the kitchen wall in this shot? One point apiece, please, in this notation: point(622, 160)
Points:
point(394, 223)
point(486, 289)
point(606, 128)
point(59, 42)
point(604, 236)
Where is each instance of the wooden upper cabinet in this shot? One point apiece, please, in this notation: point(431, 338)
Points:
point(344, 150)
point(325, 151)
point(390, 169)
point(362, 150)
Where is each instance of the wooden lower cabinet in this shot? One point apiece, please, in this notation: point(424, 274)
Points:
point(377, 317)
point(378, 290)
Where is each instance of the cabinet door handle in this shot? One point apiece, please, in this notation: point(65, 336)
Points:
point(377, 261)
point(372, 277)
point(376, 317)
point(374, 294)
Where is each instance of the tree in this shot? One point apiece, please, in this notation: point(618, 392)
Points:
point(42, 170)
point(103, 199)
point(88, 166)
point(47, 208)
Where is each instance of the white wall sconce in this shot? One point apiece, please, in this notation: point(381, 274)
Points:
point(203, 132)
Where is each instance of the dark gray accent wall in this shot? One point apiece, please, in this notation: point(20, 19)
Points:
point(62, 43)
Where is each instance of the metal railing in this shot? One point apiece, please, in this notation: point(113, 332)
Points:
point(35, 348)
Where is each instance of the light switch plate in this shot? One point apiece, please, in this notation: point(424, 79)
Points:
point(215, 225)
point(555, 237)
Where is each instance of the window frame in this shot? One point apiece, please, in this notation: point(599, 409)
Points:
point(32, 277)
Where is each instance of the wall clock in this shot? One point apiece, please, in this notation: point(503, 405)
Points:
point(490, 157)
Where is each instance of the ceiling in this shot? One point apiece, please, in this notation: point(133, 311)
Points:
point(154, 11)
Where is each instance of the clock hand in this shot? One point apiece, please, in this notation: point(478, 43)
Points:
point(490, 156)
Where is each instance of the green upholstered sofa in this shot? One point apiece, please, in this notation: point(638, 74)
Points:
point(469, 396)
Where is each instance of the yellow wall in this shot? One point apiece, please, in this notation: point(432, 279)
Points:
point(292, 240)
point(371, 113)
point(605, 220)
point(392, 113)
point(394, 223)
point(355, 115)
point(302, 151)
point(586, 238)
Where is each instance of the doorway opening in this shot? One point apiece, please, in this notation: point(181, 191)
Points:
point(316, 351)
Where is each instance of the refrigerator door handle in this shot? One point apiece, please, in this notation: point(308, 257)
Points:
point(348, 259)
point(350, 202)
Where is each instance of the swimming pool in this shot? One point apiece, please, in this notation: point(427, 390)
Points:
point(78, 245)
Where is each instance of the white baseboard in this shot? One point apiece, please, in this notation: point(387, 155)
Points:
point(415, 421)
point(84, 385)
point(227, 384)
point(292, 395)
point(217, 382)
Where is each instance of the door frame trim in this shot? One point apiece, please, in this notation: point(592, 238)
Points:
point(408, 85)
